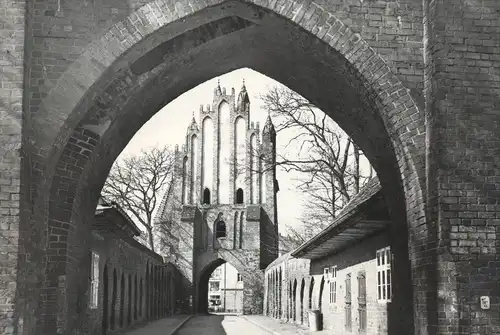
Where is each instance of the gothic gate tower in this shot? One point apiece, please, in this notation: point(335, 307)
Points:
point(222, 203)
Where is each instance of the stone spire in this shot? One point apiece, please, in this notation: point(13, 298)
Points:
point(269, 126)
point(243, 99)
point(218, 90)
point(194, 125)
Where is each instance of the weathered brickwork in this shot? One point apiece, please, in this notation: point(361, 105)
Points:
point(135, 285)
point(81, 73)
point(12, 25)
point(462, 89)
point(206, 186)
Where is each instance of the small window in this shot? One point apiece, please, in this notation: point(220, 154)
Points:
point(384, 275)
point(239, 278)
point(333, 284)
point(239, 196)
point(94, 281)
point(220, 227)
point(206, 196)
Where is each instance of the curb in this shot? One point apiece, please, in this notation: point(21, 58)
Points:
point(260, 326)
point(179, 326)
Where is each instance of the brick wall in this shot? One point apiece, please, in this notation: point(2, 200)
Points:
point(12, 50)
point(123, 257)
point(383, 120)
point(462, 86)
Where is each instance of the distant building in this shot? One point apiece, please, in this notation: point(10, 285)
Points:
point(221, 206)
point(225, 290)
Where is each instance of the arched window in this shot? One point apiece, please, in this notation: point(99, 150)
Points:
point(206, 196)
point(220, 227)
point(239, 196)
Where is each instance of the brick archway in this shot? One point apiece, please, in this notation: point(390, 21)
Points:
point(202, 283)
point(110, 92)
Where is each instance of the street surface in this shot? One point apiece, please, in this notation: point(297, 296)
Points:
point(219, 325)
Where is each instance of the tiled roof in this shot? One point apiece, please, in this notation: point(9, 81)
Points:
point(344, 230)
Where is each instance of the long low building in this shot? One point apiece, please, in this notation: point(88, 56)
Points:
point(129, 284)
point(344, 271)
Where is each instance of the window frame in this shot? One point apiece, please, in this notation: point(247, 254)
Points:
point(333, 285)
point(94, 281)
point(383, 261)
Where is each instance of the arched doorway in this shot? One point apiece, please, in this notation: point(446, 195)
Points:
point(302, 287)
point(231, 296)
point(294, 301)
point(105, 300)
point(321, 287)
point(122, 301)
point(368, 117)
point(311, 290)
point(114, 297)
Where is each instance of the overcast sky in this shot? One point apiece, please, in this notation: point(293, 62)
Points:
point(169, 126)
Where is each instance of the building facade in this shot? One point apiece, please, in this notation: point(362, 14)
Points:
point(221, 206)
point(344, 272)
point(225, 290)
point(129, 284)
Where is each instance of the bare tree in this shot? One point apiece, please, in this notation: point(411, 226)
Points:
point(327, 160)
point(137, 184)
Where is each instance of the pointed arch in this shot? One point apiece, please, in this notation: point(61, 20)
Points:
point(130, 300)
point(207, 172)
point(294, 300)
point(321, 288)
point(239, 196)
point(302, 286)
point(148, 286)
point(311, 289)
point(114, 297)
point(240, 165)
point(206, 196)
point(224, 152)
point(136, 301)
point(194, 170)
point(141, 298)
point(235, 231)
point(105, 300)
point(262, 180)
point(184, 180)
point(254, 180)
point(280, 293)
point(122, 300)
point(241, 230)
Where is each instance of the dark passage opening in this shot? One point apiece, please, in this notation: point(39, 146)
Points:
point(206, 196)
point(239, 196)
point(220, 227)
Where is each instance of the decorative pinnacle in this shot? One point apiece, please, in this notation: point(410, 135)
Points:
point(217, 89)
